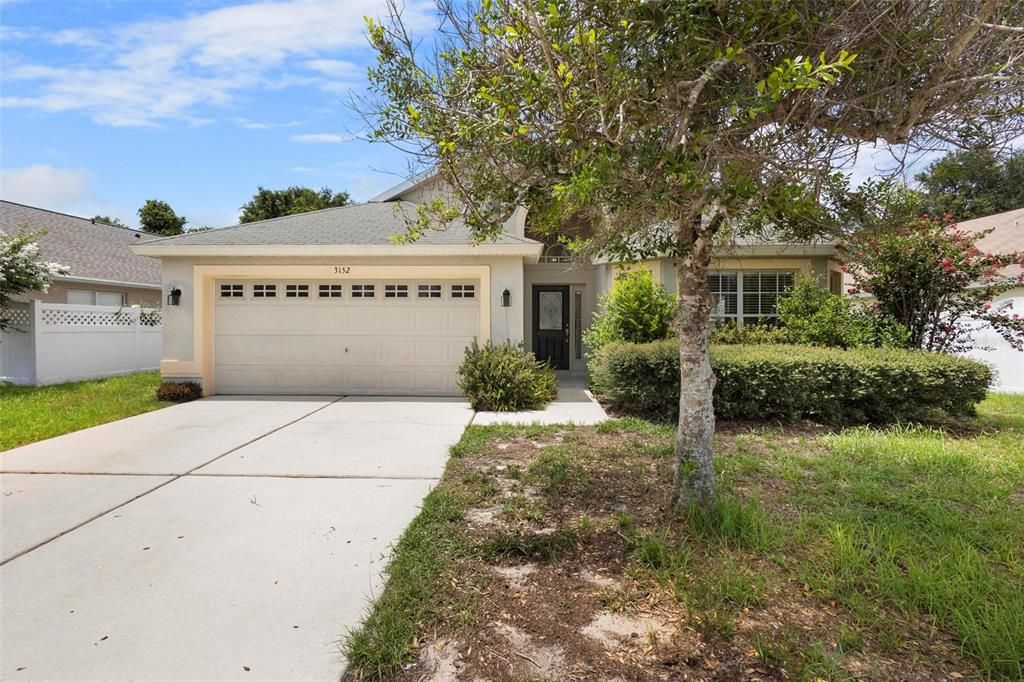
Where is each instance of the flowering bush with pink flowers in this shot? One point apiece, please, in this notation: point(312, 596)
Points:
point(931, 277)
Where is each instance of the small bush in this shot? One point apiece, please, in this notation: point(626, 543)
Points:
point(179, 391)
point(780, 382)
point(635, 310)
point(505, 377)
point(727, 333)
point(814, 316)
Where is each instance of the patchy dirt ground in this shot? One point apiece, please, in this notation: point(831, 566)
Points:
point(572, 573)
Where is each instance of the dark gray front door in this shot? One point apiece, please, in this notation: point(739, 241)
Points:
point(551, 324)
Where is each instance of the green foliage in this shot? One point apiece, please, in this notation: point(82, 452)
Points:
point(635, 310)
point(270, 203)
point(179, 391)
point(108, 220)
point(781, 382)
point(812, 315)
point(930, 278)
point(505, 377)
point(728, 333)
point(157, 217)
point(34, 413)
point(22, 268)
point(974, 183)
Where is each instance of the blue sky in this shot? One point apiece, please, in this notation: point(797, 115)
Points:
point(108, 103)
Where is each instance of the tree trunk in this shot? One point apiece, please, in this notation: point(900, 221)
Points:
point(694, 475)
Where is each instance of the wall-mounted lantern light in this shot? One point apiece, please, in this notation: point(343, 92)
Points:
point(506, 299)
point(174, 297)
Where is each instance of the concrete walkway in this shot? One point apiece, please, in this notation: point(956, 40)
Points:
point(574, 405)
point(229, 538)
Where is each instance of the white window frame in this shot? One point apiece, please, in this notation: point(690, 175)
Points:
point(397, 290)
point(94, 296)
point(463, 291)
point(328, 291)
point(430, 289)
point(298, 291)
point(363, 291)
point(261, 294)
point(718, 314)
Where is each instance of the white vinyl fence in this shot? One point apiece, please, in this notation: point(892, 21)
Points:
point(51, 343)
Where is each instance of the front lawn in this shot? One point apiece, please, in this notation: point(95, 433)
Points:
point(544, 552)
point(29, 413)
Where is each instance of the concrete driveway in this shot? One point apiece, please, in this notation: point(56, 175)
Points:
point(229, 538)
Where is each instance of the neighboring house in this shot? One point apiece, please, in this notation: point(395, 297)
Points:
point(1006, 236)
point(324, 302)
point(103, 270)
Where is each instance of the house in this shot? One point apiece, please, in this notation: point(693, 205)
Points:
point(1006, 236)
point(103, 270)
point(324, 302)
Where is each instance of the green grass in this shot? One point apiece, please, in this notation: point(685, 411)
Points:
point(900, 539)
point(911, 518)
point(30, 414)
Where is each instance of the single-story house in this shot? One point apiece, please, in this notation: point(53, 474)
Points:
point(103, 269)
point(324, 302)
point(1006, 236)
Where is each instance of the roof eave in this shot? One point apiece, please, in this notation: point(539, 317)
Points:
point(531, 250)
point(73, 279)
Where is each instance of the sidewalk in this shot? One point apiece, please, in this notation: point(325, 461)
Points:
point(574, 405)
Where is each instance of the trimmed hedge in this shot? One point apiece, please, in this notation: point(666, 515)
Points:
point(781, 382)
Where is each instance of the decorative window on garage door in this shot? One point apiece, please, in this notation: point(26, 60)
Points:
point(232, 290)
point(463, 291)
point(264, 291)
point(428, 291)
point(296, 291)
point(330, 291)
point(396, 291)
point(363, 291)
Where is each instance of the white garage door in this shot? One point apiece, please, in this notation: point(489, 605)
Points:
point(397, 337)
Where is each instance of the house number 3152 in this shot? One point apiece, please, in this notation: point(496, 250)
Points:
point(341, 269)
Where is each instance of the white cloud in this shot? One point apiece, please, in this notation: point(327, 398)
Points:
point(264, 125)
point(146, 72)
point(46, 187)
point(320, 138)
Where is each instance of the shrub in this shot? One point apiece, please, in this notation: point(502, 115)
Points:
point(727, 333)
point(785, 382)
point(179, 391)
point(505, 377)
point(813, 316)
point(635, 310)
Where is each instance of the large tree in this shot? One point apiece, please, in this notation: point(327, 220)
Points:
point(274, 203)
point(158, 217)
point(667, 125)
point(976, 182)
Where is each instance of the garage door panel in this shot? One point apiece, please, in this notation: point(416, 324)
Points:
point(342, 345)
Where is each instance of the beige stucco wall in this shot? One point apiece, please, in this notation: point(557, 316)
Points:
point(181, 328)
point(58, 293)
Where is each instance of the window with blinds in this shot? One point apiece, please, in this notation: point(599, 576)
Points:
point(748, 297)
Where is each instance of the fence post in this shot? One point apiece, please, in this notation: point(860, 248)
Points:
point(35, 331)
point(136, 336)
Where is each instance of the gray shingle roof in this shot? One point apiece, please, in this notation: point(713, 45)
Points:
point(361, 224)
point(93, 250)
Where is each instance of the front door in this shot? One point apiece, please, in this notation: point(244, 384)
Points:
point(551, 324)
